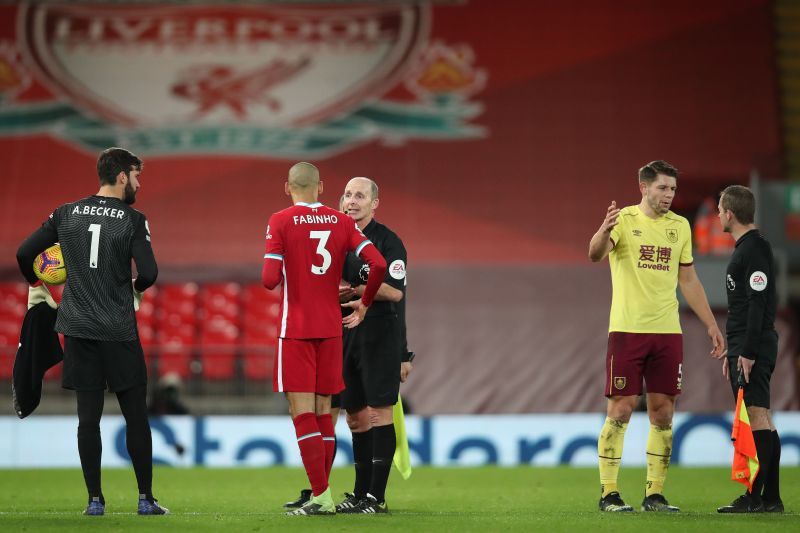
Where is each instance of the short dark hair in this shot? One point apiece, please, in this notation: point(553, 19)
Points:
point(739, 200)
point(652, 169)
point(114, 160)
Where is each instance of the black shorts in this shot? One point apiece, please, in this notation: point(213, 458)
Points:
point(756, 393)
point(336, 401)
point(97, 365)
point(372, 355)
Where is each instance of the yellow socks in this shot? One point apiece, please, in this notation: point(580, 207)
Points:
point(609, 452)
point(659, 450)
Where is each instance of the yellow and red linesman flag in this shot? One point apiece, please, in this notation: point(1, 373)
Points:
point(745, 459)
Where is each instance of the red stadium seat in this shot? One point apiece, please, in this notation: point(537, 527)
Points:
point(11, 325)
point(147, 334)
point(13, 301)
point(258, 362)
point(218, 351)
point(180, 298)
point(178, 291)
point(256, 296)
point(176, 346)
point(178, 362)
point(228, 290)
point(14, 290)
point(8, 350)
point(221, 300)
point(220, 308)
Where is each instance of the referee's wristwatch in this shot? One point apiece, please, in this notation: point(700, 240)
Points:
point(409, 357)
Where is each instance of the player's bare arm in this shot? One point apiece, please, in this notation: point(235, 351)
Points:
point(695, 296)
point(601, 244)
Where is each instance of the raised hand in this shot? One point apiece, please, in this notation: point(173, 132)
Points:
point(611, 217)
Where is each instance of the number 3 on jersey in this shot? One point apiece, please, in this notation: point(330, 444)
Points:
point(322, 240)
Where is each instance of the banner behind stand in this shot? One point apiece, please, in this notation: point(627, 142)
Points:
point(512, 440)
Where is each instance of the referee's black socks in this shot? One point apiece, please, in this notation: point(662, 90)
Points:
point(384, 442)
point(763, 439)
point(772, 491)
point(362, 456)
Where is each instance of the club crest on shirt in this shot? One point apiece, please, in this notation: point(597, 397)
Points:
point(619, 383)
point(729, 283)
point(758, 281)
point(672, 235)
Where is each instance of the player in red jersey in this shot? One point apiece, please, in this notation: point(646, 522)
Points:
point(306, 248)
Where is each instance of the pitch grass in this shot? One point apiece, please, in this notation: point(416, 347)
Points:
point(434, 499)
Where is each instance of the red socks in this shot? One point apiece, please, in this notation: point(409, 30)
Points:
point(325, 423)
point(312, 450)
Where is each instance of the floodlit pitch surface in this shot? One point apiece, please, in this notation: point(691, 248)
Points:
point(434, 499)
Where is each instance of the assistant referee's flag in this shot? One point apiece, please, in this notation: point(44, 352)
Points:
point(745, 459)
point(402, 458)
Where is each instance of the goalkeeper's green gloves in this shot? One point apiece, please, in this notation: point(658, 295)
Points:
point(40, 293)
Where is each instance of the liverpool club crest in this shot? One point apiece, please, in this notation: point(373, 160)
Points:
point(273, 79)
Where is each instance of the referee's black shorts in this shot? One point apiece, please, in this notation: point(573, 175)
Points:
point(756, 393)
point(99, 365)
point(372, 355)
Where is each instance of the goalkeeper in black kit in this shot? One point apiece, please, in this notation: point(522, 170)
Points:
point(99, 236)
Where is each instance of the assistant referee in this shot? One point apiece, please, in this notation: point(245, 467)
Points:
point(752, 342)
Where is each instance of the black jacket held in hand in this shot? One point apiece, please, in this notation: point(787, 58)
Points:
point(39, 351)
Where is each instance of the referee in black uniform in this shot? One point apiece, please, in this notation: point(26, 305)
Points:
point(347, 292)
point(373, 356)
point(752, 342)
point(99, 236)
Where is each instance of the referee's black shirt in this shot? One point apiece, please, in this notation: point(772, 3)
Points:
point(391, 247)
point(752, 300)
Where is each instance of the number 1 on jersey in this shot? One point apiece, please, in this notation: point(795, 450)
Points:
point(94, 229)
point(322, 237)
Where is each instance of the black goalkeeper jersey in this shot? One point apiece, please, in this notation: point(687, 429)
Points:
point(391, 247)
point(99, 236)
point(752, 299)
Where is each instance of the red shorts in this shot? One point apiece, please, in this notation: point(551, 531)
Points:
point(656, 357)
point(308, 365)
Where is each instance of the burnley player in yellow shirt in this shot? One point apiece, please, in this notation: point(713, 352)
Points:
point(650, 253)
